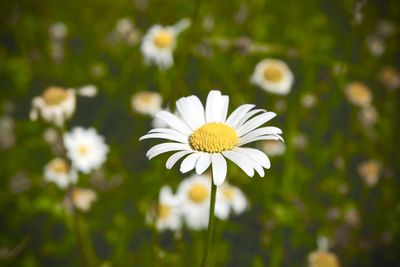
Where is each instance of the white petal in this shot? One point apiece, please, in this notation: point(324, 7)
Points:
point(241, 160)
point(166, 130)
point(175, 157)
point(185, 110)
point(246, 117)
point(256, 155)
point(197, 110)
point(173, 137)
point(263, 131)
point(255, 122)
point(243, 141)
point(223, 108)
point(214, 106)
point(238, 113)
point(165, 147)
point(189, 162)
point(219, 168)
point(203, 163)
point(174, 122)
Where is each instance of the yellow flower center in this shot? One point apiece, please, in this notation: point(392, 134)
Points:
point(53, 96)
point(213, 137)
point(146, 97)
point(59, 166)
point(163, 211)
point(83, 150)
point(198, 193)
point(163, 39)
point(273, 73)
point(228, 193)
point(323, 259)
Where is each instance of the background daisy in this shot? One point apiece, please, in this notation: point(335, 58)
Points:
point(273, 76)
point(85, 148)
point(159, 43)
point(59, 172)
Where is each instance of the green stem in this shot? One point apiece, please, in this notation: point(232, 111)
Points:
point(84, 243)
point(210, 224)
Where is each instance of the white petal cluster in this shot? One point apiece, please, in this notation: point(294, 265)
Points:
point(245, 122)
point(191, 204)
point(85, 148)
point(55, 113)
point(159, 43)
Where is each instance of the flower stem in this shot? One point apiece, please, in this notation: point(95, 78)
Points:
point(83, 240)
point(210, 224)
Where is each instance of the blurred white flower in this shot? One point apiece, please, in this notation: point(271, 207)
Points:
point(194, 193)
point(385, 28)
point(160, 41)
point(390, 77)
point(273, 147)
point(273, 76)
point(146, 102)
point(85, 148)
point(55, 105)
point(308, 100)
point(358, 93)
point(368, 116)
point(229, 198)
point(376, 45)
point(58, 31)
point(50, 135)
point(370, 171)
point(300, 141)
point(59, 172)
point(88, 90)
point(352, 217)
point(168, 214)
point(7, 135)
point(83, 198)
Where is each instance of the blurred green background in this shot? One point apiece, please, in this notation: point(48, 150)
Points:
point(314, 189)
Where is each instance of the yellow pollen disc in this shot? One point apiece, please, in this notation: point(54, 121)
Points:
point(59, 166)
point(53, 96)
point(163, 211)
point(146, 97)
point(213, 137)
point(163, 39)
point(83, 150)
point(198, 193)
point(228, 193)
point(273, 73)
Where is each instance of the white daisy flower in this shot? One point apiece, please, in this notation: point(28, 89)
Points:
point(146, 102)
point(194, 193)
point(83, 198)
point(229, 197)
point(160, 41)
point(206, 136)
point(273, 76)
point(59, 172)
point(85, 148)
point(168, 214)
point(55, 105)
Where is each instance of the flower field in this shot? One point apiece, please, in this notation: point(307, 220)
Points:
point(199, 133)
